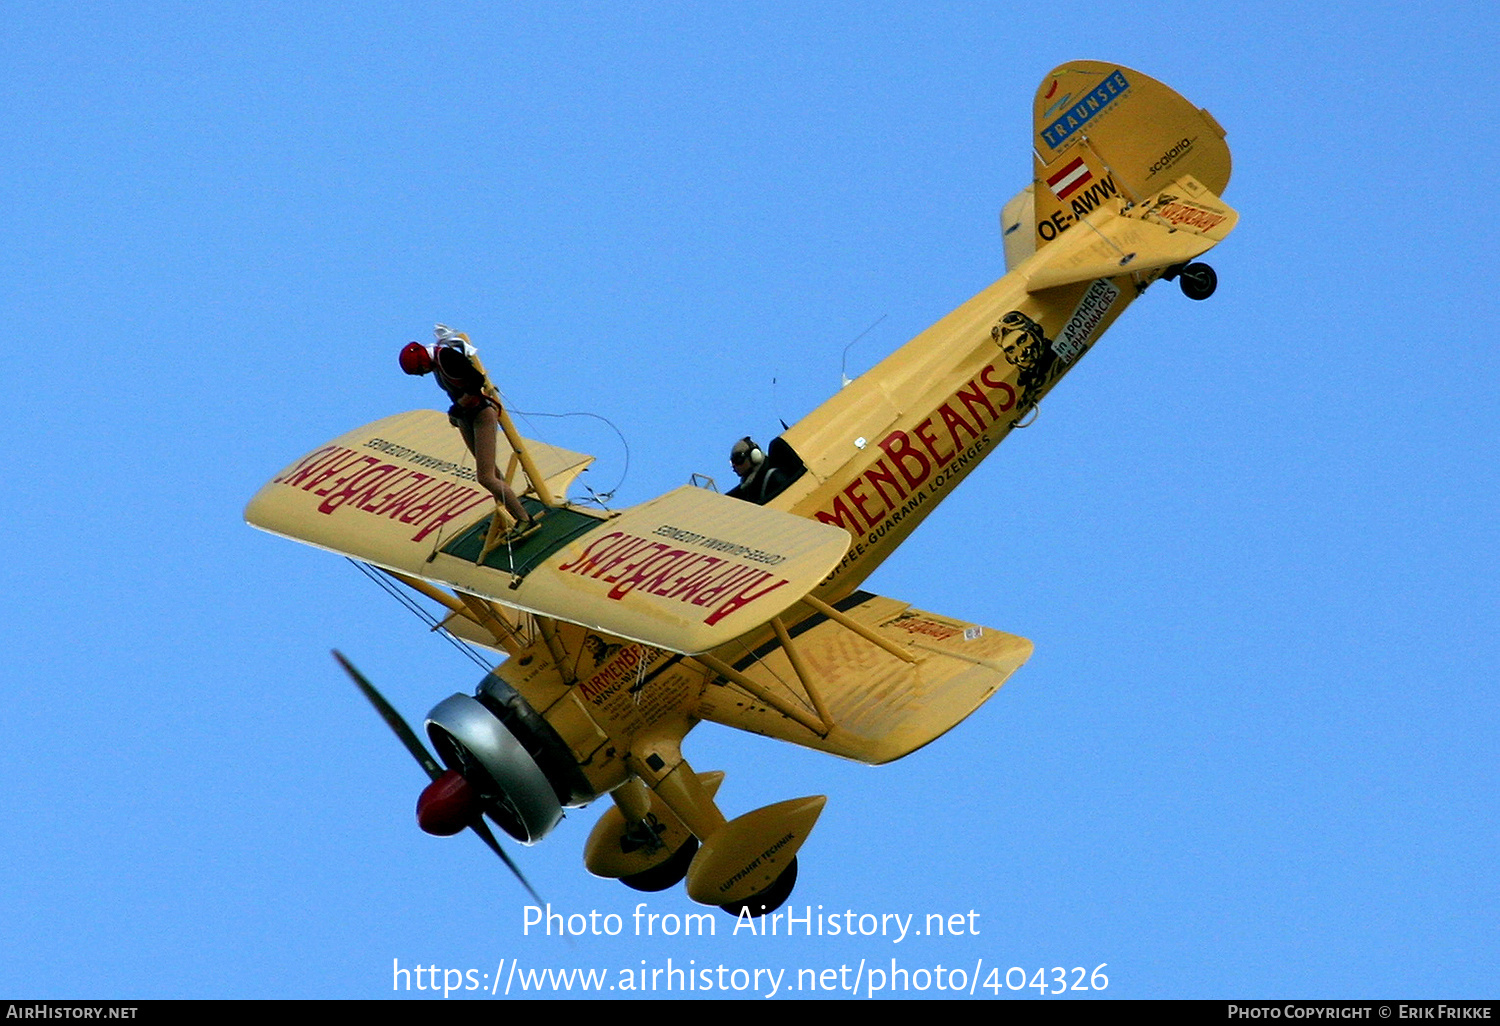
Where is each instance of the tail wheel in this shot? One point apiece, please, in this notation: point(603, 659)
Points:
point(1197, 281)
point(768, 900)
point(668, 874)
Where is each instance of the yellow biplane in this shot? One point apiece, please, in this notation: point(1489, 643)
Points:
point(622, 630)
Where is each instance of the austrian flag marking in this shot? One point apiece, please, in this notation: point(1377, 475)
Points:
point(1074, 175)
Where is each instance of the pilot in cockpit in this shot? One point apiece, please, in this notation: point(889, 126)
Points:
point(760, 481)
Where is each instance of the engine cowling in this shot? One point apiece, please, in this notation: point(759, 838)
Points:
point(523, 771)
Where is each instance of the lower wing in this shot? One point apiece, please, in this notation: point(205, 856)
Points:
point(880, 705)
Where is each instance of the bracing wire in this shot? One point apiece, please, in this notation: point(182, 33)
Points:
point(432, 622)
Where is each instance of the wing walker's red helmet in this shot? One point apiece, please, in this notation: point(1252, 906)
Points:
point(415, 359)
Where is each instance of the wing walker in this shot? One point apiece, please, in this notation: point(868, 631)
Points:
point(621, 631)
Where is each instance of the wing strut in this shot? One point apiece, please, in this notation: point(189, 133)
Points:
point(858, 628)
point(728, 672)
point(823, 724)
point(488, 617)
point(483, 613)
point(538, 483)
point(471, 607)
point(548, 627)
point(795, 658)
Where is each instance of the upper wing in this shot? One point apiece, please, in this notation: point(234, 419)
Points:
point(391, 488)
point(688, 572)
point(881, 707)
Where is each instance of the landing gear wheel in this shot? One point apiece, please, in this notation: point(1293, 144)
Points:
point(668, 874)
point(768, 900)
point(1197, 281)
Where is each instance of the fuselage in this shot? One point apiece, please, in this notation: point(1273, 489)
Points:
point(892, 444)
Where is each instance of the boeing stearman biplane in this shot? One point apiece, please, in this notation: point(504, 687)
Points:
point(622, 630)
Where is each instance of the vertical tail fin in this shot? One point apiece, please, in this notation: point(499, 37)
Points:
point(1107, 135)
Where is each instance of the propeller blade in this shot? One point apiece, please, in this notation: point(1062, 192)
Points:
point(483, 830)
point(419, 752)
point(392, 718)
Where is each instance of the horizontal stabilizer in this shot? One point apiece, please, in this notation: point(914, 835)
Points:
point(1180, 223)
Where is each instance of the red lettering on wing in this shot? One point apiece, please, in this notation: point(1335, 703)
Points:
point(386, 490)
point(588, 558)
point(630, 563)
point(743, 598)
point(300, 470)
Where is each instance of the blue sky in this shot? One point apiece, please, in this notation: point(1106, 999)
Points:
point(1253, 539)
